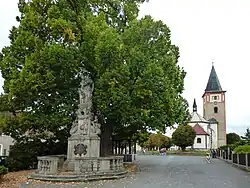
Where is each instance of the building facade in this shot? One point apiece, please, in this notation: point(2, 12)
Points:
point(214, 106)
point(5, 143)
point(206, 131)
point(211, 127)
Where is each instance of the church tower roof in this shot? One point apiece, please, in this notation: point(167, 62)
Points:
point(194, 106)
point(213, 84)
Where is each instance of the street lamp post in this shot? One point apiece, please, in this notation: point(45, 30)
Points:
point(211, 137)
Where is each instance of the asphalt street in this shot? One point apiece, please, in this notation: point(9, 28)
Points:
point(174, 172)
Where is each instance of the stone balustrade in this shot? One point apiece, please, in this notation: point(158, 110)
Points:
point(51, 164)
point(100, 164)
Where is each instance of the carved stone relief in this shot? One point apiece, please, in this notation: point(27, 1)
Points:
point(80, 149)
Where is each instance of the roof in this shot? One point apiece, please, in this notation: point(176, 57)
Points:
point(199, 130)
point(213, 121)
point(213, 84)
point(194, 106)
point(197, 118)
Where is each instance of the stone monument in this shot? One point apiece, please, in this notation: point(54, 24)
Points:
point(83, 161)
point(85, 131)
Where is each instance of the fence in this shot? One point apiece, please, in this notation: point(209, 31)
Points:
point(240, 160)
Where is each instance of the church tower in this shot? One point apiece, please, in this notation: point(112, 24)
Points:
point(214, 105)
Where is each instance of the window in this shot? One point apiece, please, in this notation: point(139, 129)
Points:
point(215, 110)
point(4, 152)
point(199, 140)
point(215, 98)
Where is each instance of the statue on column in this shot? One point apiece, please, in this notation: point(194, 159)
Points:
point(82, 123)
point(86, 89)
point(74, 127)
point(95, 126)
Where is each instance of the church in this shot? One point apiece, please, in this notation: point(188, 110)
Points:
point(211, 127)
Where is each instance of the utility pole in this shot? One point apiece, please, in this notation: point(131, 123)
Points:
point(211, 137)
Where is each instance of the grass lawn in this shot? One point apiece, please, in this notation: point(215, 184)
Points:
point(179, 152)
point(189, 152)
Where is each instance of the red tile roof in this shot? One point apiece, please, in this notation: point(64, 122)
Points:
point(199, 130)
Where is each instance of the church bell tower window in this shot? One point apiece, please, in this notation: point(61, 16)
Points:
point(216, 110)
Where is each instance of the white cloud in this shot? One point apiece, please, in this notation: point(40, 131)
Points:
point(203, 30)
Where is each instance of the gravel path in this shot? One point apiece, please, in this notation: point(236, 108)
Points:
point(173, 172)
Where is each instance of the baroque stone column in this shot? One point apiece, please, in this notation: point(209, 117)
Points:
point(84, 140)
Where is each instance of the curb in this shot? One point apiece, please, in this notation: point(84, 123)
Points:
point(78, 178)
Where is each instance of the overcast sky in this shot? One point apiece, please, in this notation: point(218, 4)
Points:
point(204, 30)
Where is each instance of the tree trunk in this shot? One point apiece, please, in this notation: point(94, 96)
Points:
point(106, 139)
point(183, 148)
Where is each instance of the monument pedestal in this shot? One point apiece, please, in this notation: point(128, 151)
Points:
point(82, 146)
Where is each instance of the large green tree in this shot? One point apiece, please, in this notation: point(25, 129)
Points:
point(138, 83)
point(233, 138)
point(183, 136)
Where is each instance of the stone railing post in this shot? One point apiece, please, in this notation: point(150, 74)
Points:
point(120, 164)
point(228, 153)
point(115, 164)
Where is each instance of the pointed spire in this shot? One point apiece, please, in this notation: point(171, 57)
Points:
point(213, 84)
point(194, 106)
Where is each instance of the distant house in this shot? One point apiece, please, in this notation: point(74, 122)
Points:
point(5, 143)
point(206, 131)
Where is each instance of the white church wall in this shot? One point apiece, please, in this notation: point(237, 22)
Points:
point(203, 142)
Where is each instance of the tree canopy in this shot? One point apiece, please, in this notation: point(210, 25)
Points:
point(183, 136)
point(158, 141)
point(247, 136)
point(134, 65)
point(233, 138)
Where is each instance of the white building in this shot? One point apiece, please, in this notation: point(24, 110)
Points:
point(5, 143)
point(206, 130)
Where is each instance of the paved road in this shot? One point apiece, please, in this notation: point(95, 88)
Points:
point(175, 172)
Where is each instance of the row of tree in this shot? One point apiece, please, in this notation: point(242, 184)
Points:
point(134, 66)
point(183, 137)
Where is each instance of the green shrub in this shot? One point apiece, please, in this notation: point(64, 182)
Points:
point(242, 149)
point(233, 146)
point(3, 170)
point(23, 156)
point(224, 147)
